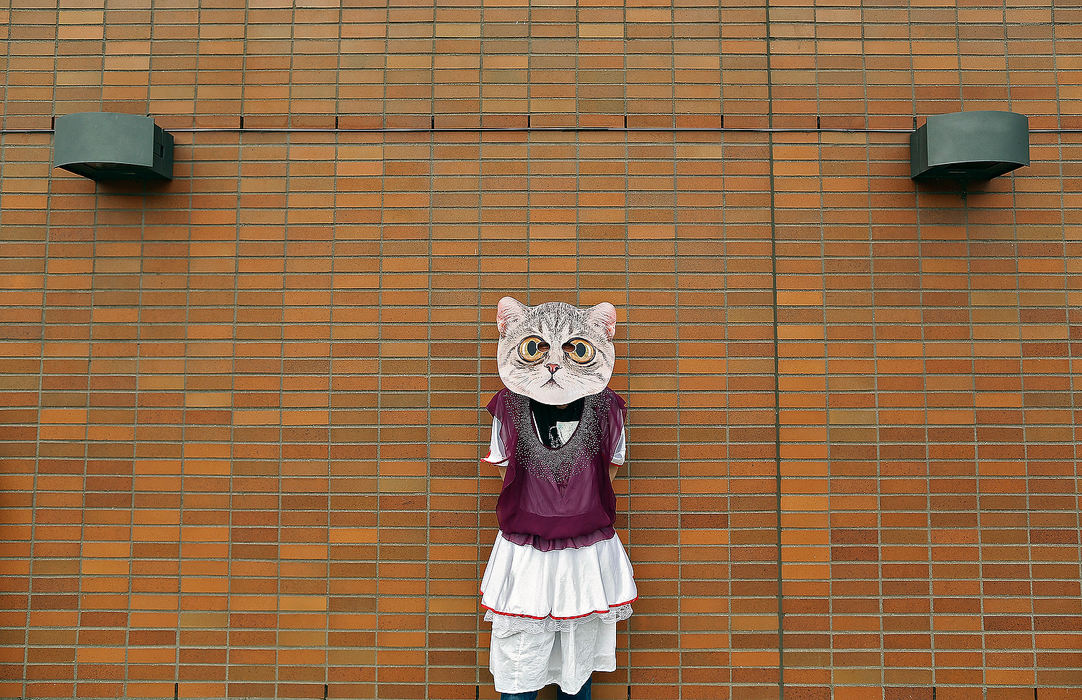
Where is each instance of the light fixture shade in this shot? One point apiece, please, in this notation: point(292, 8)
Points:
point(969, 146)
point(109, 146)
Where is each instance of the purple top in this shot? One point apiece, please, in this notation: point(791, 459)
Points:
point(553, 498)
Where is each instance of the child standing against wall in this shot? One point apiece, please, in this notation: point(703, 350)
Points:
point(558, 579)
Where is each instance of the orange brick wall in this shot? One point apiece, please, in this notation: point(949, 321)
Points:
point(240, 414)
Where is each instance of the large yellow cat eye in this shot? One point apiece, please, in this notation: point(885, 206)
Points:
point(532, 349)
point(579, 350)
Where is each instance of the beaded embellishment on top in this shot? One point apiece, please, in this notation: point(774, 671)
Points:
point(561, 463)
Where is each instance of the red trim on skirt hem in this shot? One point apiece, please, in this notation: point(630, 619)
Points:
point(553, 617)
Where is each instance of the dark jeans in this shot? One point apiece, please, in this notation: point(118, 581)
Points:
point(583, 694)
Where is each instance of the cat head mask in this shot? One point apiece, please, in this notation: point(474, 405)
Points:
point(555, 353)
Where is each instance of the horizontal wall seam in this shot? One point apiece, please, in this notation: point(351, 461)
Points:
point(513, 129)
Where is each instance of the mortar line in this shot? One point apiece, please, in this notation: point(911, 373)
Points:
point(379, 359)
point(86, 449)
point(238, 220)
point(628, 458)
point(480, 335)
point(777, 363)
point(481, 433)
point(878, 399)
point(32, 545)
point(556, 129)
point(330, 361)
point(187, 354)
point(1072, 363)
point(428, 403)
point(330, 410)
point(284, 305)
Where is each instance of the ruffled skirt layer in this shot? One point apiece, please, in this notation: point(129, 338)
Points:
point(561, 584)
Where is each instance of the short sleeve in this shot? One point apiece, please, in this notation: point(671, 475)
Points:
point(496, 404)
point(497, 452)
point(617, 440)
point(619, 455)
point(502, 439)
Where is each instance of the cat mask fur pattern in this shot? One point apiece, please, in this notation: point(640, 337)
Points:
point(555, 353)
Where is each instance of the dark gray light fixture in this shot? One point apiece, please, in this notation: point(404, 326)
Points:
point(110, 147)
point(968, 146)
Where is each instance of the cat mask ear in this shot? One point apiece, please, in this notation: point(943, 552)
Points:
point(508, 311)
point(604, 315)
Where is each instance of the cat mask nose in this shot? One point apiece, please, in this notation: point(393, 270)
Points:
point(552, 368)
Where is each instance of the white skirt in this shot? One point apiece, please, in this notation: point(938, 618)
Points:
point(554, 613)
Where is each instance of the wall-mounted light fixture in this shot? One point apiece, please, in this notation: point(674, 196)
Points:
point(109, 147)
point(968, 146)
